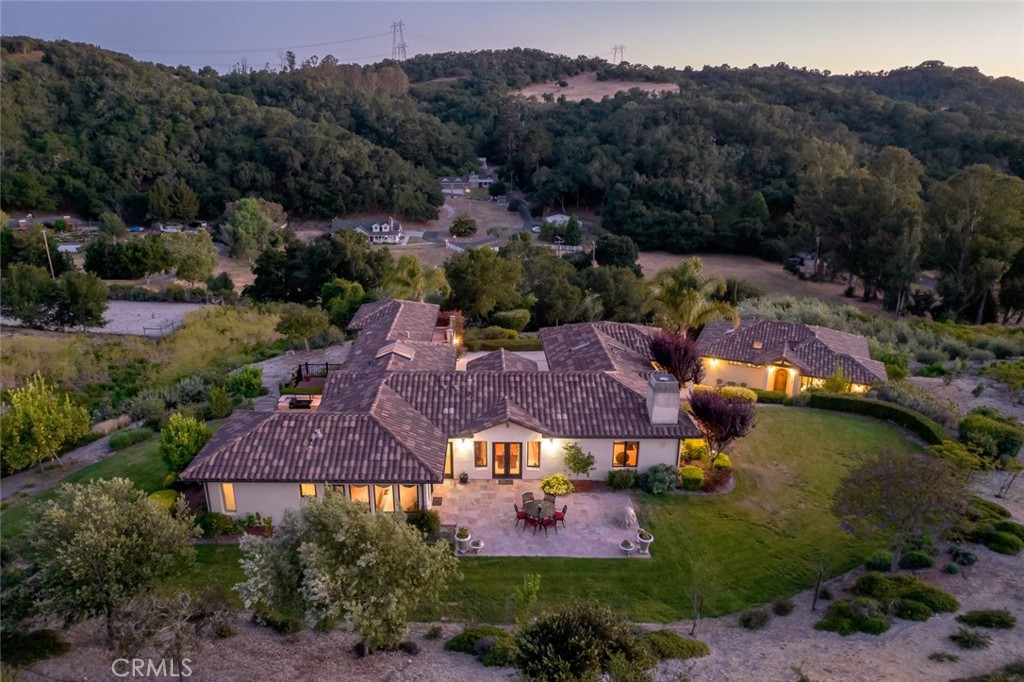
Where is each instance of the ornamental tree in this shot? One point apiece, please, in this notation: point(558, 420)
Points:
point(462, 226)
point(578, 462)
point(899, 496)
point(332, 561)
point(181, 440)
point(299, 322)
point(678, 354)
point(37, 423)
point(720, 419)
point(98, 544)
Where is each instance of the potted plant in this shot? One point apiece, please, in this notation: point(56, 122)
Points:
point(462, 538)
point(627, 547)
point(643, 541)
point(463, 478)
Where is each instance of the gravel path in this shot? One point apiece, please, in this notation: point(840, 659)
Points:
point(32, 481)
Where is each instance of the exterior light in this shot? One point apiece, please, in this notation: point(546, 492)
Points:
point(713, 361)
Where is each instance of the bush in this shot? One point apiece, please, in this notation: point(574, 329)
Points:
point(19, 648)
point(493, 333)
point(999, 619)
point(465, 641)
point(692, 477)
point(962, 556)
point(942, 410)
point(739, 392)
point(981, 509)
point(579, 641)
point(879, 561)
point(148, 408)
point(755, 619)
point(247, 382)
point(213, 524)
point(994, 437)
point(221, 406)
point(501, 653)
point(848, 616)
point(965, 638)
point(769, 397)
point(722, 462)
point(1009, 527)
point(930, 356)
point(916, 560)
point(897, 366)
point(928, 430)
point(434, 632)
point(659, 479)
point(170, 479)
point(621, 479)
point(911, 610)
point(667, 644)
point(165, 497)
point(932, 597)
point(951, 569)
point(124, 439)
point(557, 484)
point(286, 624)
point(783, 606)
point(515, 320)
point(427, 521)
point(998, 541)
point(181, 440)
point(886, 588)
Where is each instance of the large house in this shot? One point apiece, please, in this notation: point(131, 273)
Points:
point(383, 232)
point(784, 356)
point(458, 186)
point(398, 419)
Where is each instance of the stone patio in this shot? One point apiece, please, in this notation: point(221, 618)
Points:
point(485, 507)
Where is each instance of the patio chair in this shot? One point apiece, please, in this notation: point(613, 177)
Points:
point(520, 514)
point(527, 497)
point(560, 516)
point(531, 521)
point(548, 522)
point(548, 497)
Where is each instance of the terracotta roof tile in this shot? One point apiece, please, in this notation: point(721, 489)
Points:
point(501, 360)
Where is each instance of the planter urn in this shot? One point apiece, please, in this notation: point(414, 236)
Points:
point(643, 541)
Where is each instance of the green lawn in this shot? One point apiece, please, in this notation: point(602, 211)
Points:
point(141, 463)
point(761, 540)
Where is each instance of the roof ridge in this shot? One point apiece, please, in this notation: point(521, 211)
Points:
point(382, 424)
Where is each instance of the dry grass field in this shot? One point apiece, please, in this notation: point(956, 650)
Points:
point(586, 86)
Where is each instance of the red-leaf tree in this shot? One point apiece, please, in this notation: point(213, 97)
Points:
point(678, 354)
point(721, 420)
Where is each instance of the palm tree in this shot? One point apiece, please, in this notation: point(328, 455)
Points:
point(683, 298)
point(410, 280)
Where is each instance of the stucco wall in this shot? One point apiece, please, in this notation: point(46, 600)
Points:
point(271, 499)
point(753, 377)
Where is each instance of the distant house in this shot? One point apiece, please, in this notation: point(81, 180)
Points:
point(458, 186)
point(558, 219)
point(384, 232)
point(784, 356)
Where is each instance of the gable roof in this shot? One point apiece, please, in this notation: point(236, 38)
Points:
point(598, 346)
point(501, 360)
point(816, 351)
point(406, 330)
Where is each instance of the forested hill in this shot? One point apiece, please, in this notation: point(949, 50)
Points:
point(717, 166)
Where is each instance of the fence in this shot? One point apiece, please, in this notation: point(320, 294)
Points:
point(317, 369)
point(160, 329)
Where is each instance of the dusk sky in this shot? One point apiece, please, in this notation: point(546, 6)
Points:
point(839, 36)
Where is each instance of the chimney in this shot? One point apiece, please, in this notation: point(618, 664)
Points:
point(663, 399)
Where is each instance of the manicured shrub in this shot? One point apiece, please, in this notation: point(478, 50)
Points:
point(692, 477)
point(928, 430)
point(998, 541)
point(980, 508)
point(911, 610)
point(965, 638)
point(19, 648)
point(465, 641)
point(1009, 527)
point(769, 397)
point(621, 479)
point(557, 484)
point(523, 344)
point(213, 524)
point(886, 588)
point(932, 597)
point(739, 392)
point(755, 619)
point(783, 606)
point(512, 319)
point(494, 332)
point(848, 616)
point(879, 561)
point(579, 641)
point(165, 497)
point(659, 479)
point(695, 451)
point(124, 439)
point(427, 521)
point(722, 462)
point(999, 619)
point(667, 644)
point(916, 560)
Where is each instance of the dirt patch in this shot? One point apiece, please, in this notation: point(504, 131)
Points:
point(429, 255)
point(138, 318)
point(586, 86)
point(961, 390)
point(765, 275)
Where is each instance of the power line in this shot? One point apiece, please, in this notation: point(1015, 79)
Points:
point(254, 49)
point(398, 41)
point(439, 41)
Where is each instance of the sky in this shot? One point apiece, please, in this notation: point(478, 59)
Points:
point(838, 36)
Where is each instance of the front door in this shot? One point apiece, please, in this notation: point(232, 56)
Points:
point(508, 460)
point(781, 379)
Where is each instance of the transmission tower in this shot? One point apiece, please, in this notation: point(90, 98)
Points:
point(618, 54)
point(398, 41)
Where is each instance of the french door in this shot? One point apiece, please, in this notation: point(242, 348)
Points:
point(508, 460)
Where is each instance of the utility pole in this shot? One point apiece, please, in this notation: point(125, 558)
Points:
point(398, 41)
point(618, 54)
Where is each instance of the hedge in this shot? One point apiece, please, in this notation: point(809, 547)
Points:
point(691, 477)
point(769, 397)
point(922, 426)
point(123, 439)
point(524, 344)
point(298, 390)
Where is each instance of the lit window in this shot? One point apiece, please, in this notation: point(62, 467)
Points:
point(625, 452)
point(479, 453)
point(307, 489)
point(384, 498)
point(409, 497)
point(533, 453)
point(227, 491)
point(360, 494)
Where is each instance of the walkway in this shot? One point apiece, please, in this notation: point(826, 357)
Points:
point(485, 507)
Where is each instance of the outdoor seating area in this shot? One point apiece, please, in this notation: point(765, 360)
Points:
point(517, 519)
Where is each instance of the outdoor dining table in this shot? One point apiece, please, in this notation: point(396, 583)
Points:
point(539, 508)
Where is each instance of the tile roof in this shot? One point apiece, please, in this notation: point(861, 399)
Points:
point(816, 351)
point(501, 360)
point(400, 325)
point(597, 346)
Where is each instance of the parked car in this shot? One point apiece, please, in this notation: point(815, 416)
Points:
point(136, 228)
point(171, 228)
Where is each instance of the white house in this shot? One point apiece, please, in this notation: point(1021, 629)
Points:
point(384, 232)
point(399, 419)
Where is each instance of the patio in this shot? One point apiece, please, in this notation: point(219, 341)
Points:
point(485, 507)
